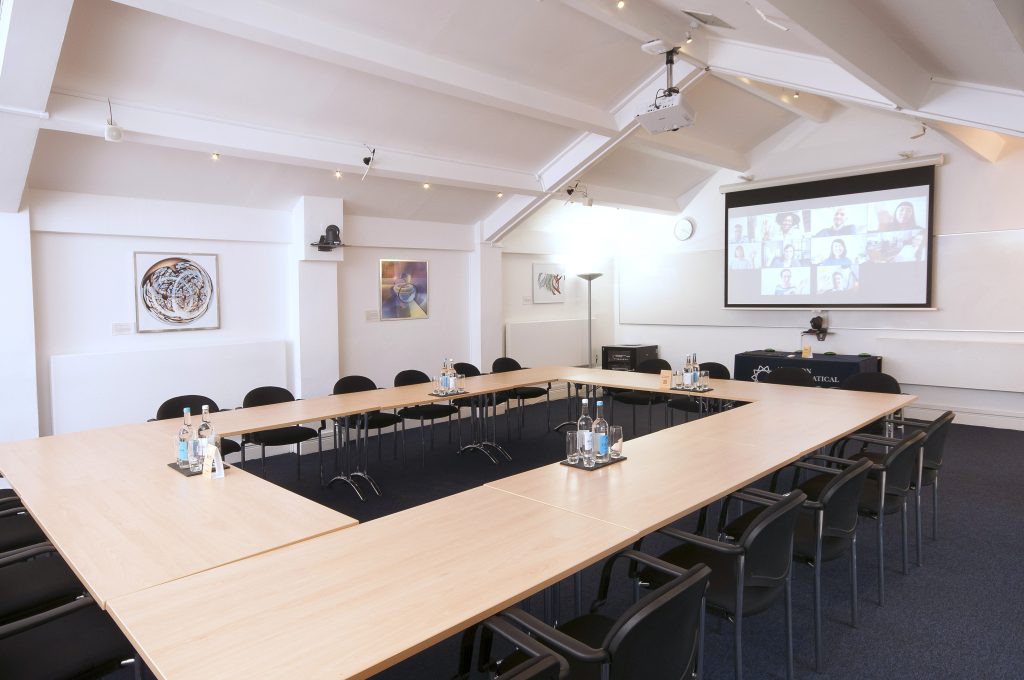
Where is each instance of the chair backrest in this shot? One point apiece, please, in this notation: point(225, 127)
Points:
point(653, 366)
point(468, 370)
point(411, 377)
point(261, 396)
point(871, 382)
point(716, 370)
point(504, 365)
point(659, 636)
point(935, 443)
point(767, 542)
point(789, 375)
point(901, 462)
point(173, 407)
point(840, 499)
point(354, 383)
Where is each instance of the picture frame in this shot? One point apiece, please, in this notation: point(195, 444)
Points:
point(176, 292)
point(548, 283)
point(404, 290)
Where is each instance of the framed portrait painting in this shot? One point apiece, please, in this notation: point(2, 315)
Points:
point(404, 292)
point(176, 292)
point(548, 283)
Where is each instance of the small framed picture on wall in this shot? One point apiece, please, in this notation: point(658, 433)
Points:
point(404, 291)
point(548, 283)
point(176, 292)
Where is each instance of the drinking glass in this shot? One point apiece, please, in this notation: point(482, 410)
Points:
point(615, 441)
point(572, 447)
point(196, 454)
point(705, 380)
point(677, 380)
point(460, 382)
point(437, 385)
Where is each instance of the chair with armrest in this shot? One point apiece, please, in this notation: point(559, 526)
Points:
point(173, 408)
point(74, 640)
point(825, 529)
point(17, 528)
point(423, 412)
point(660, 637)
point(521, 394)
point(33, 580)
point(929, 462)
point(748, 575)
point(789, 375)
point(540, 662)
point(292, 435)
point(885, 491)
point(688, 404)
point(636, 398)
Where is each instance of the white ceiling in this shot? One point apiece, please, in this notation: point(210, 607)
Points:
point(474, 96)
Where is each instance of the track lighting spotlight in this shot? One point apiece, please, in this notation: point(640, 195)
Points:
point(426, 185)
point(689, 37)
point(215, 156)
point(796, 95)
point(501, 195)
point(620, 4)
point(337, 174)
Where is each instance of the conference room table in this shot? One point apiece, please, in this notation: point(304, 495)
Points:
point(335, 599)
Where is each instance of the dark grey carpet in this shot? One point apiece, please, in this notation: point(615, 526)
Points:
point(958, 616)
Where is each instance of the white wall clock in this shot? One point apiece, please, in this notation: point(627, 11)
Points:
point(684, 228)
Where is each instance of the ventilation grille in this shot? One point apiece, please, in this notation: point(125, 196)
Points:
point(707, 19)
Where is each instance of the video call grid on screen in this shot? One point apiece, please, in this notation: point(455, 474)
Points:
point(860, 241)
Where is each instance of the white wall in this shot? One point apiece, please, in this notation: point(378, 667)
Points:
point(19, 413)
point(972, 197)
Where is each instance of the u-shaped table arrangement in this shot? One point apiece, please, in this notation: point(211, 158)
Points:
point(238, 578)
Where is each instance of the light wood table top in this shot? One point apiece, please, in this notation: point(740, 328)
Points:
point(351, 603)
point(124, 521)
point(678, 470)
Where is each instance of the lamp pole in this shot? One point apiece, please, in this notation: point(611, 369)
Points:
point(589, 278)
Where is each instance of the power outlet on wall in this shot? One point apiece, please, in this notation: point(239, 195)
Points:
point(122, 328)
point(372, 315)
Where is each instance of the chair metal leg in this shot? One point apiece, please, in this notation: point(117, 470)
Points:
point(263, 460)
point(881, 539)
point(817, 592)
point(853, 580)
point(789, 625)
point(548, 419)
point(739, 622)
point(423, 444)
point(917, 502)
point(298, 461)
point(634, 420)
point(650, 418)
point(243, 453)
point(699, 669)
point(935, 508)
point(903, 526)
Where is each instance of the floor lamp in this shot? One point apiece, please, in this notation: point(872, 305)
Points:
point(589, 278)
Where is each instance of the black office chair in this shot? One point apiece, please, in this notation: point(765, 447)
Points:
point(749, 575)
point(789, 375)
point(293, 435)
point(173, 407)
point(929, 462)
point(640, 397)
point(17, 529)
point(825, 529)
point(688, 404)
point(34, 580)
point(541, 662)
point(423, 412)
point(362, 424)
point(521, 394)
point(885, 492)
point(482, 401)
point(660, 637)
point(74, 640)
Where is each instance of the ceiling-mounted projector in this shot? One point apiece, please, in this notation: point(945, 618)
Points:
point(669, 112)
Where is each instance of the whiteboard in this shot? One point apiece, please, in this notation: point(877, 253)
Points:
point(977, 285)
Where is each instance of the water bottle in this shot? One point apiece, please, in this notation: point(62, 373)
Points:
point(185, 440)
point(584, 430)
point(600, 429)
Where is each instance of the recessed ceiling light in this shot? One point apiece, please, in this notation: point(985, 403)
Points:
point(215, 156)
point(796, 95)
point(620, 4)
point(426, 185)
point(337, 173)
point(689, 37)
point(501, 195)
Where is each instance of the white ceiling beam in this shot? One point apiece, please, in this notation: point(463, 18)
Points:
point(858, 45)
point(622, 198)
point(512, 211)
point(808, 105)
point(986, 145)
point(31, 35)
point(278, 26)
point(690, 149)
point(990, 108)
point(640, 19)
point(791, 70)
point(86, 115)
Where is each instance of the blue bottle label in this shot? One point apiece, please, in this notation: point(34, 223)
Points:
point(182, 450)
point(602, 444)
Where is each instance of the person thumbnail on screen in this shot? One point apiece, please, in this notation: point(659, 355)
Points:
point(897, 246)
point(832, 280)
point(782, 254)
point(742, 258)
point(786, 228)
point(838, 226)
point(914, 248)
point(740, 234)
point(785, 281)
point(847, 251)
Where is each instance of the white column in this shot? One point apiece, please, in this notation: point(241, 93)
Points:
point(19, 406)
point(486, 312)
